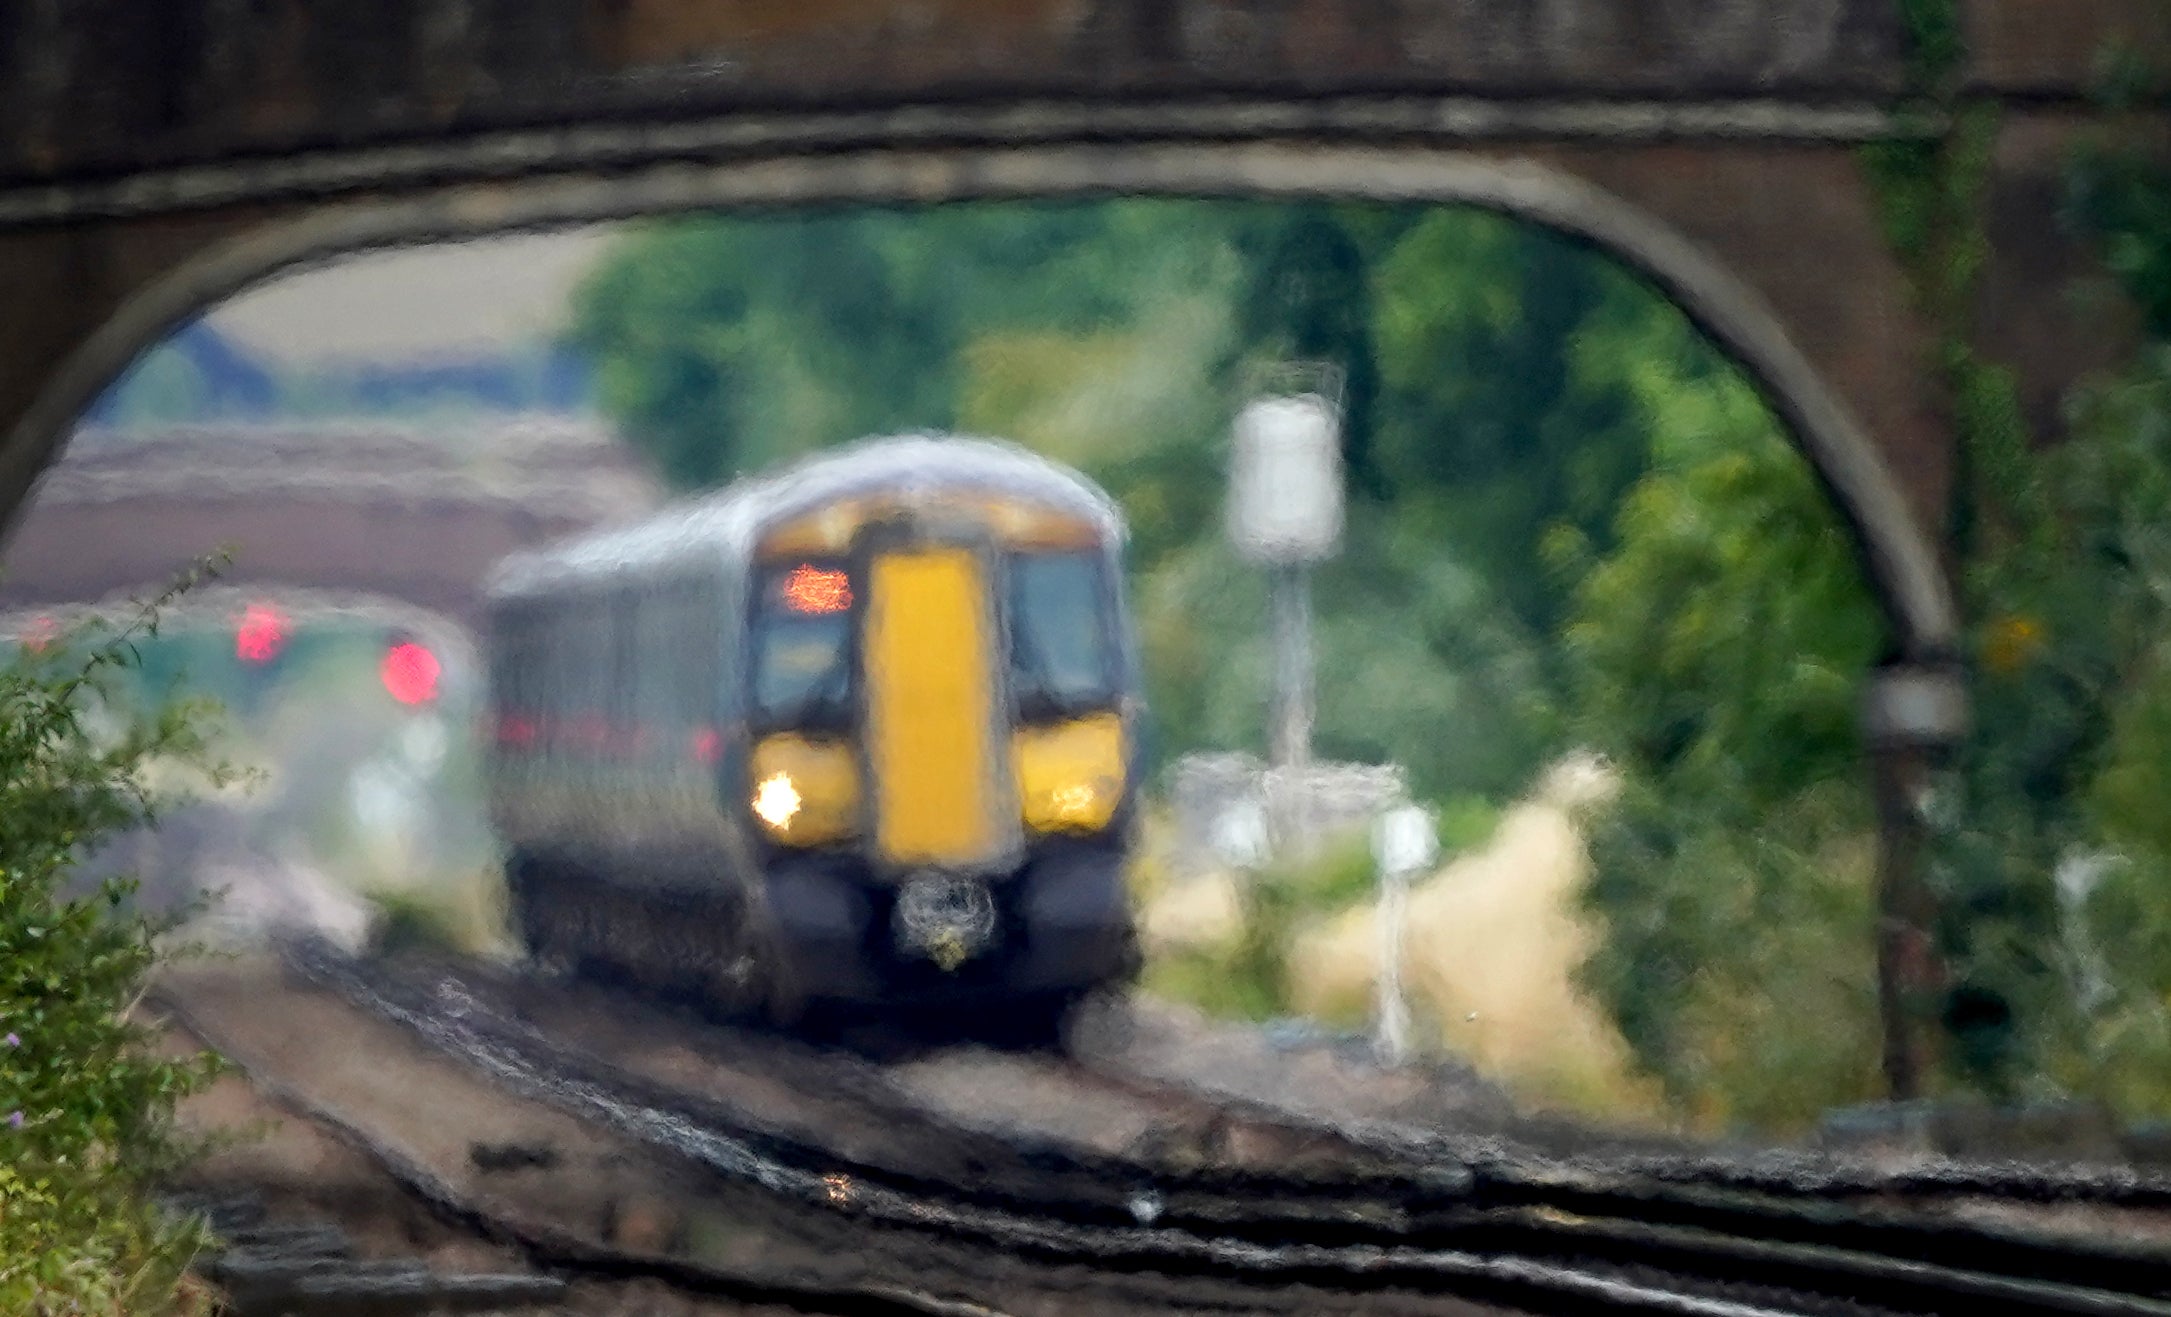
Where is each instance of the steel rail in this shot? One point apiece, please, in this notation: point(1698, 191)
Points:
point(558, 1251)
point(1366, 1231)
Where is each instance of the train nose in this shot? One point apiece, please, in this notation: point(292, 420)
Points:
point(944, 918)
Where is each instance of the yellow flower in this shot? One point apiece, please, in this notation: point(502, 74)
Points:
point(2012, 642)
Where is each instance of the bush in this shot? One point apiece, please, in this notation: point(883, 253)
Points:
point(1248, 978)
point(461, 915)
point(85, 1109)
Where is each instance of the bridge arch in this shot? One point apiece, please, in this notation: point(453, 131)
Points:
point(1898, 553)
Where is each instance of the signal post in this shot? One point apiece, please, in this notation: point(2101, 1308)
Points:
point(1285, 514)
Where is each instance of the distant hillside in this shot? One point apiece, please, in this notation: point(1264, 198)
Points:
point(200, 376)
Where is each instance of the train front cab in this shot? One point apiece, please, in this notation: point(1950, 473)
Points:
point(940, 773)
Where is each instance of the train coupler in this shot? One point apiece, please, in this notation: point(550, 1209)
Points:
point(945, 919)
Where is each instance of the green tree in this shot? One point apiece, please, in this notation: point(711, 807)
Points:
point(1715, 652)
point(1312, 295)
point(1507, 357)
point(726, 342)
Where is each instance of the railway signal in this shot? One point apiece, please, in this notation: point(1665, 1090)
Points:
point(1285, 513)
point(410, 672)
point(261, 634)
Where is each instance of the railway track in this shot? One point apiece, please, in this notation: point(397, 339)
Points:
point(1379, 1215)
point(272, 1269)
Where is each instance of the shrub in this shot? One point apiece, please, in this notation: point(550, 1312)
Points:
point(1248, 978)
point(455, 914)
point(85, 1108)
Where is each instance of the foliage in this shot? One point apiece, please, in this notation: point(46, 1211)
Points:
point(414, 922)
point(1721, 643)
point(727, 342)
point(2075, 683)
point(1506, 355)
point(1541, 451)
point(1249, 977)
point(87, 1111)
point(1714, 655)
point(2041, 826)
point(2124, 199)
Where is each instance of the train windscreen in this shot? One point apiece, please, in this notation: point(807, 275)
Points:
point(802, 668)
point(1062, 659)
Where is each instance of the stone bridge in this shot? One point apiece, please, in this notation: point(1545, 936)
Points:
point(417, 516)
point(158, 159)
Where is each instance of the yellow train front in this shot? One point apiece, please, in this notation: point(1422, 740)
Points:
point(862, 732)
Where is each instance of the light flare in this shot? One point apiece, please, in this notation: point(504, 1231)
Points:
point(777, 800)
point(1074, 803)
point(810, 589)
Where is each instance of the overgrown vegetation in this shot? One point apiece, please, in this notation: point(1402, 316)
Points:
point(2045, 820)
point(85, 1106)
point(1246, 976)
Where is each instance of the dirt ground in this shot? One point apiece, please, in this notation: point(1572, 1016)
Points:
point(305, 1173)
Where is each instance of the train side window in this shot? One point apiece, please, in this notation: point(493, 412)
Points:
point(540, 637)
point(596, 674)
point(512, 678)
point(700, 644)
point(648, 658)
point(618, 619)
point(576, 662)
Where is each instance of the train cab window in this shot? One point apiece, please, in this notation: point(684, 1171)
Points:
point(1062, 656)
point(802, 643)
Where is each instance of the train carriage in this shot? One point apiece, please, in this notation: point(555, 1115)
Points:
point(860, 732)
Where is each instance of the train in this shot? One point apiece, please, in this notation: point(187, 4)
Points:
point(858, 735)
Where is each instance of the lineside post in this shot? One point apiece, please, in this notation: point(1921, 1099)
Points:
point(1914, 716)
point(1403, 842)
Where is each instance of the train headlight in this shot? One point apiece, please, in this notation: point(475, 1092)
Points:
point(805, 792)
point(776, 800)
point(1070, 776)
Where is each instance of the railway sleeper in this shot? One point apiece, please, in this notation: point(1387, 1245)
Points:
point(292, 1241)
point(382, 1293)
point(226, 1214)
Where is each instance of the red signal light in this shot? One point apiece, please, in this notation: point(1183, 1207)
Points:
point(261, 635)
point(41, 634)
point(410, 673)
point(810, 589)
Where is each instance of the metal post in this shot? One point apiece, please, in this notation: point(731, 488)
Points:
point(1292, 714)
point(1285, 513)
point(1914, 714)
point(1403, 842)
point(1906, 961)
point(1292, 667)
point(1393, 1043)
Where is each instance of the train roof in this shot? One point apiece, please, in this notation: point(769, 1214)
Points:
point(727, 523)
